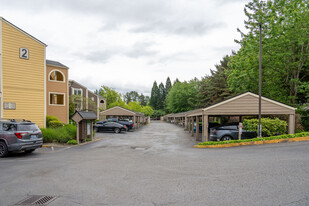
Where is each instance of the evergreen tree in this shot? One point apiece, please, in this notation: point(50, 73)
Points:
point(154, 95)
point(168, 85)
point(176, 81)
point(214, 88)
point(142, 100)
point(162, 95)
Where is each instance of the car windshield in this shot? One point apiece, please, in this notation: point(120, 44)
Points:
point(27, 127)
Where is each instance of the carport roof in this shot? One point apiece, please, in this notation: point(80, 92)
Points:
point(247, 104)
point(120, 111)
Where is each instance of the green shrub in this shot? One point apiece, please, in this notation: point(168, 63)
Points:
point(73, 141)
point(50, 118)
point(55, 124)
point(285, 136)
point(71, 129)
point(270, 127)
point(59, 135)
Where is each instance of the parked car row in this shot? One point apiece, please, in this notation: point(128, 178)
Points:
point(226, 132)
point(230, 132)
point(114, 124)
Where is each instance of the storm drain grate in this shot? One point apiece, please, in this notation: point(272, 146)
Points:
point(139, 148)
point(37, 200)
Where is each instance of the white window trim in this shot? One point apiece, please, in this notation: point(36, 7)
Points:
point(73, 88)
point(80, 89)
point(61, 105)
point(56, 80)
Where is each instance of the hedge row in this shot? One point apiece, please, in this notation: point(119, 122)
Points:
point(285, 136)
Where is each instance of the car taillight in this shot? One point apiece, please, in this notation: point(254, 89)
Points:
point(20, 135)
point(132, 125)
point(124, 126)
point(213, 131)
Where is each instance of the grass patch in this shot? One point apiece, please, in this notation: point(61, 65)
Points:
point(285, 136)
point(72, 141)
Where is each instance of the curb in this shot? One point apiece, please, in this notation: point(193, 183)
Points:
point(296, 139)
point(70, 145)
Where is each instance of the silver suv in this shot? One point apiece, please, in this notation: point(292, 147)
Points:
point(19, 135)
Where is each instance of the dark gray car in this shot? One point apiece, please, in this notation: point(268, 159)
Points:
point(19, 136)
point(229, 132)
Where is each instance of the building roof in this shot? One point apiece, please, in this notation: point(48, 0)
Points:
point(70, 80)
point(86, 115)
point(19, 29)
point(112, 110)
point(56, 64)
point(249, 94)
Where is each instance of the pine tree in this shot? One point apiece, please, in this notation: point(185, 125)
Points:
point(176, 81)
point(214, 88)
point(162, 95)
point(154, 95)
point(168, 85)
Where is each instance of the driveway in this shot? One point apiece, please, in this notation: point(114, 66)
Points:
point(156, 165)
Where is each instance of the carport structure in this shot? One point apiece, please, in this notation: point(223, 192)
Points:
point(181, 118)
point(245, 104)
point(120, 112)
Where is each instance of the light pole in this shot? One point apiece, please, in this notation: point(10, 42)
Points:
point(260, 84)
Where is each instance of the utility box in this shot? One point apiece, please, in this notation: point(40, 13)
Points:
point(84, 125)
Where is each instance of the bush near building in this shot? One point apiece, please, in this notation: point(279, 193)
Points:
point(56, 132)
point(50, 118)
point(270, 127)
point(55, 124)
point(59, 135)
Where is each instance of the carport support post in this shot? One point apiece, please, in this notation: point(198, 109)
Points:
point(186, 123)
point(291, 123)
point(134, 121)
point(205, 128)
point(197, 128)
point(192, 127)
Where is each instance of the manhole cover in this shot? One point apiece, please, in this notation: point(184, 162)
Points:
point(37, 200)
point(139, 148)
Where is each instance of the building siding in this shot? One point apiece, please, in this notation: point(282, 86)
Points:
point(62, 112)
point(23, 80)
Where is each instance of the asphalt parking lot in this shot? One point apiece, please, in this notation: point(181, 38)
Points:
point(157, 165)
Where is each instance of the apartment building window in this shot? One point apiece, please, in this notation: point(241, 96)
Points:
point(56, 76)
point(56, 99)
point(77, 91)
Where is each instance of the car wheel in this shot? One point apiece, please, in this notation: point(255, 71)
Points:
point(116, 130)
point(29, 151)
point(226, 138)
point(3, 149)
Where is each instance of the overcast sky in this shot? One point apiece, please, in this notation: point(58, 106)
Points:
point(127, 44)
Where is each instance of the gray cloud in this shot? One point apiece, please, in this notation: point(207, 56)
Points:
point(100, 56)
point(179, 28)
point(178, 57)
point(140, 49)
point(159, 16)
